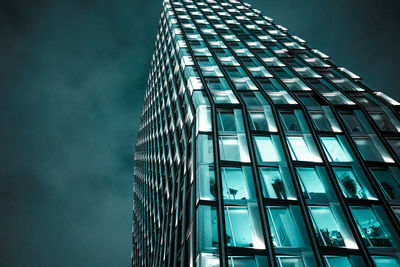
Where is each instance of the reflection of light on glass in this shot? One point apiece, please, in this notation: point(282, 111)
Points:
point(258, 243)
point(350, 244)
point(388, 159)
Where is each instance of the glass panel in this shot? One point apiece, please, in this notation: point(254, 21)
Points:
point(299, 150)
point(230, 121)
point(208, 260)
point(240, 261)
point(284, 230)
point(370, 227)
point(352, 123)
point(258, 121)
point(276, 183)
point(383, 122)
point(289, 121)
point(284, 261)
point(350, 185)
point(367, 149)
point(335, 150)
point(336, 261)
point(207, 229)
point(389, 184)
point(233, 148)
point(327, 228)
point(395, 144)
point(239, 229)
point(313, 188)
point(385, 261)
point(266, 150)
point(237, 183)
point(206, 182)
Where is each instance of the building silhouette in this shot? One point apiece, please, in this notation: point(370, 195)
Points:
point(256, 150)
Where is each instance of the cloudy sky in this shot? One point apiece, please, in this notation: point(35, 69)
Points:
point(72, 78)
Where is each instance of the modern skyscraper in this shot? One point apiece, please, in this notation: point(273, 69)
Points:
point(256, 150)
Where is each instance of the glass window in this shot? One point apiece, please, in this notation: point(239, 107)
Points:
point(335, 150)
point(270, 85)
point(312, 184)
point(352, 123)
point(326, 227)
point(395, 144)
point(221, 91)
point(209, 67)
point(367, 149)
point(383, 122)
point(289, 261)
point(233, 148)
point(300, 150)
point(266, 149)
point(284, 229)
point(324, 120)
point(258, 121)
point(247, 261)
point(350, 185)
point(371, 228)
point(254, 99)
point(385, 261)
point(230, 121)
point(237, 183)
point(208, 260)
point(206, 182)
point(207, 230)
point(276, 183)
point(240, 79)
point(389, 184)
point(336, 261)
point(289, 121)
point(204, 149)
point(239, 228)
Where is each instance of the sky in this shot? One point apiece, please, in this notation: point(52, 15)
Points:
point(72, 80)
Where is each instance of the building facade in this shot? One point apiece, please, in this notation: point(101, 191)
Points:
point(256, 150)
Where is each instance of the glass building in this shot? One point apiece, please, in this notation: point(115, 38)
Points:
point(256, 150)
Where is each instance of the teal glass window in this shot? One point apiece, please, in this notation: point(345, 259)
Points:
point(239, 227)
point(266, 149)
point(326, 227)
point(247, 261)
point(314, 184)
point(367, 149)
point(237, 183)
point(209, 67)
point(333, 261)
point(221, 91)
point(385, 261)
point(351, 184)
point(258, 121)
point(335, 150)
point(290, 121)
point(324, 120)
point(289, 261)
point(302, 151)
point(230, 121)
point(383, 122)
point(284, 229)
point(276, 183)
point(371, 228)
point(207, 228)
point(240, 79)
point(233, 148)
point(206, 182)
point(388, 181)
point(395, 144)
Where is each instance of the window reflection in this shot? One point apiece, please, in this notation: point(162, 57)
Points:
point(335, 150)
point(237, 183)
point(350, 185)
point(389, 183)
point(276, 183)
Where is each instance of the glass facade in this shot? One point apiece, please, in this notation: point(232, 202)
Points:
point(256, 150)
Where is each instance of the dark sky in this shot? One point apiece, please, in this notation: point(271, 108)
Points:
point(72, 78)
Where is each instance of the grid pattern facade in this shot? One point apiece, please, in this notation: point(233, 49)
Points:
point(256, 150)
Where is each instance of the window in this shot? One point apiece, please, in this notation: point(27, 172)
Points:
point(371, 228)
point(383, 122)
point(253, 99)
point(209, 67)
point(276, 183)
point(335, 150)
point(350, 185)
point(395, 144)
point(221, 91)
point(240, 79)
point(289, 261)
point(385, 261)
point(289, 121)
point(352, 123)
point(266, 149)
point(239, 227)
point(284, 229)
point(389, 184)
point(206, 182)
point(207, 230)
point(233, 148)
point(326, 227)
point(313, 187)
point(230, 121)
point(258, 121)
point(336, 261)
point(367, 149)
point(237, 183)
point(247, 261)
point(299, 150)
point(270, 85)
